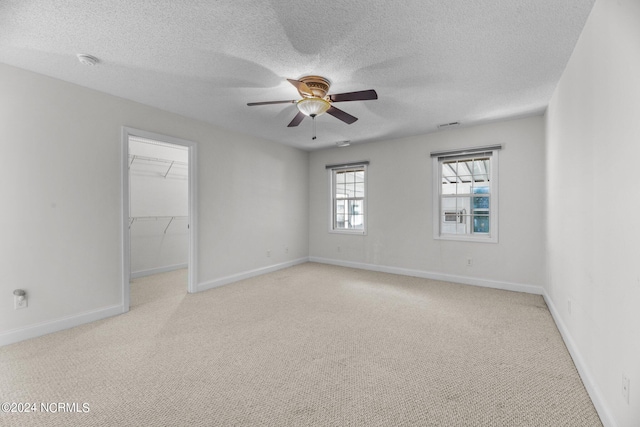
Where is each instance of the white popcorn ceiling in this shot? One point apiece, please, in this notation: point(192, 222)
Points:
point(430, 61)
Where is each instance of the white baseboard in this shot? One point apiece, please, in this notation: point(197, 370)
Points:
point(486, 283)
point(585, 374)
point(143, 273)
point(43, 328)
point(248, 274)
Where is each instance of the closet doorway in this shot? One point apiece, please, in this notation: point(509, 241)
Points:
point(158, 204)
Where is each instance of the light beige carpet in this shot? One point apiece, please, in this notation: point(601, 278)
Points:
point(312, 345)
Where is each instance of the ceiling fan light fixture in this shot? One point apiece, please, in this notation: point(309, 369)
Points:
point(313, 106)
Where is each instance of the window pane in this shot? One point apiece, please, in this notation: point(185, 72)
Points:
point(356, 207)
point(340, 211)
point(481, 202)
point(449, 203)
point(449, 188)
point(349, 190)
point(350, 177)
point(360, 176)
point(357, 222)
point(480, 223)
point(479, 167)
point(360, 189)
point(354, 217)
point(464, 188)
point(465, 168)
point(482, 188)
point(341, 191)
point(465, 178)
point(339, 177)
point(449, 170)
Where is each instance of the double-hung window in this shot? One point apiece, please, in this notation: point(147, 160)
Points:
point(348, 197)
point(466, 194)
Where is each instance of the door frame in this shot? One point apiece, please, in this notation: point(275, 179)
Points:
point(192, 284)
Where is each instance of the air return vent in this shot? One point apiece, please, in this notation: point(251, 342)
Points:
point(448, 125)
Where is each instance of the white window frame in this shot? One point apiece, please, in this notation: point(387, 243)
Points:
point(437, 160)
point(332, 169)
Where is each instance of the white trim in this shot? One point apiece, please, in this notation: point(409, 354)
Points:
point(193, 223)
point(248, 274)
point(152, 271)
point(585, 374)
point(124, 220)
point(50, 326)
point(465, 280)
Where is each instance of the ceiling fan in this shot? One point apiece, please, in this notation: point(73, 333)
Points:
point(315, 101)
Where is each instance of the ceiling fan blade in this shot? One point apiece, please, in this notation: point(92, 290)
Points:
point(341, 115)
point(363, 95)
point(302, 87)
point(251, 104)
point(296, 120)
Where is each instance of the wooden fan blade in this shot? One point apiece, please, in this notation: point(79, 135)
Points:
point(296, 120)
point(302, 87)
point(341, 115)
point(363, 95)
point(251, 104)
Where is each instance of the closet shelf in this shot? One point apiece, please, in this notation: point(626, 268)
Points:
point(156, 218)
point(171, 163)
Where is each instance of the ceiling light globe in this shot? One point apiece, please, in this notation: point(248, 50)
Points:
point(313, 107)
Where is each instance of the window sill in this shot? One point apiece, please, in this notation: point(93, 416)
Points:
point(476, 239)
point(352, 232)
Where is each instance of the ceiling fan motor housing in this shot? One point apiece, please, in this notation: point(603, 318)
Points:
point(318, 85)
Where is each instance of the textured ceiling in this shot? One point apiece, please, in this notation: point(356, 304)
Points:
point(430, 61)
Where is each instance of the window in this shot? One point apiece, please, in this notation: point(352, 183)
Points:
point(465, 194)
point(348, 203)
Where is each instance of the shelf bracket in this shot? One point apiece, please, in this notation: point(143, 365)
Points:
point(170, 166)
point(170, 221)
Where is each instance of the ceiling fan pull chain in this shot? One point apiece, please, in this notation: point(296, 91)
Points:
point(313, 119)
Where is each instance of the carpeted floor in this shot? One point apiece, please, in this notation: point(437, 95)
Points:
point(311, 345)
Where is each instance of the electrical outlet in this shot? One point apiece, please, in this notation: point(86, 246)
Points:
point(569, 306)
point(338, 248)
point(268, 254)
point(626, 383)
point(19, 302)
point(469, 262)
point(286, 249)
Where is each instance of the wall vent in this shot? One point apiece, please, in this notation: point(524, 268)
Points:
point(448, 125)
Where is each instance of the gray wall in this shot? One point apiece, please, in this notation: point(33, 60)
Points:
point(61, 186)
point(400, 216)
point(593, 147)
